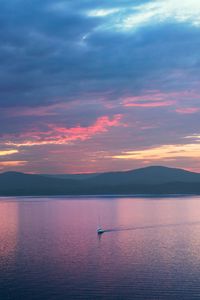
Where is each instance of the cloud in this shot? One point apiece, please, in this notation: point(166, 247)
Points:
point(169, 152)
point(194, 137)
point(102, 12)
point(69, 69)
point(47, 56)
point(187, 110)
point(149, 104)
point(62, 135)
point(151, 100)
point(11, 164)
point(160, 11)
point(8, 152)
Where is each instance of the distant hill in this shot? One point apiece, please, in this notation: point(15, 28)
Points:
point(148, 175)
point(14, 183)
point(150, 180)
point(72, 176)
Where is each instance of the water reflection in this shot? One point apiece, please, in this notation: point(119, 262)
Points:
point(153, 252)
point(8, 229)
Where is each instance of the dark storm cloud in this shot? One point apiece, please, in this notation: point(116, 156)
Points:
point(51, 50)
point(38, 50)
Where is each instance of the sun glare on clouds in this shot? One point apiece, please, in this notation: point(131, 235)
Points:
point(12, 163)
point(162, 152)
point(102, 12)
point(154, 12)
point(8, 152)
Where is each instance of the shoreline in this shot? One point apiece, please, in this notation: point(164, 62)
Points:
point(148, 196)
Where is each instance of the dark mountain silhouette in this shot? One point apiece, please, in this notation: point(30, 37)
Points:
point(150, 180)
point(148, 175)
point(72, 176)
point(14, 183)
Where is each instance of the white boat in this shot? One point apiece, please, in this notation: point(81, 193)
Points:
point(100, 230)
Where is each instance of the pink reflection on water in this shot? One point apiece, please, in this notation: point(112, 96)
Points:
point(8, 228)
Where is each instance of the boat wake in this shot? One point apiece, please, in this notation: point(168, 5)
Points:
point(154, 226)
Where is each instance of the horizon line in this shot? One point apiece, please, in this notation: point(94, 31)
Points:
point(103, 172)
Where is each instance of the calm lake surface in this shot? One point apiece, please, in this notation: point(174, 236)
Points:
point(49, 248)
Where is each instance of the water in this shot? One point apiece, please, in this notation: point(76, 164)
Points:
point(49, 248)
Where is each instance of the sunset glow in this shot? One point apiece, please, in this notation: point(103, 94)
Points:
point(99, 87)
point(163, 152)
point(62, 135)
point(8, 152)
point(11, 164)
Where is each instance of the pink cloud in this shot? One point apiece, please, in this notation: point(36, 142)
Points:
point(155, 98)
point(12, 163)
point(187, 110)
point(150, 99)
point(63, 135)
point(149, 104)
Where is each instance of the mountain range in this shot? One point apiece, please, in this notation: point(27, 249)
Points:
point(150, 180)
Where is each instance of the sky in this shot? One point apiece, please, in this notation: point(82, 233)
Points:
point(95, 86)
